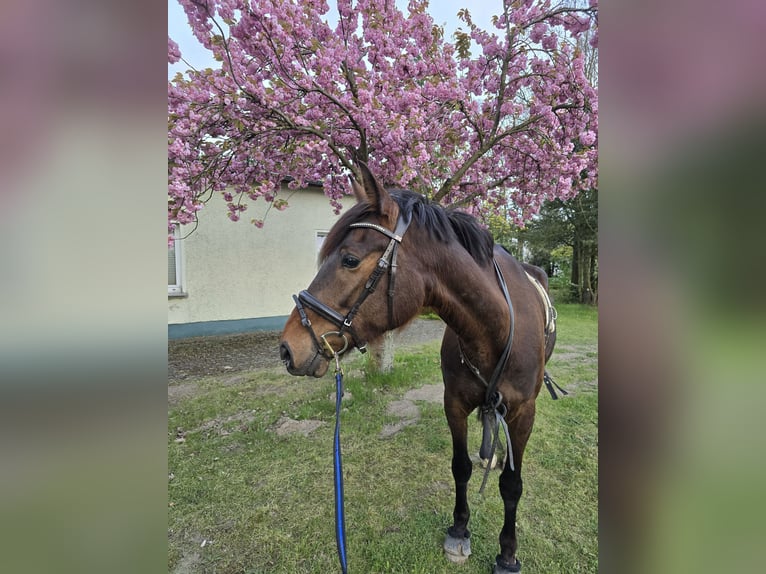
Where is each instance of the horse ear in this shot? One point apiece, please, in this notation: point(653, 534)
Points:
point(375, 194)
point(358, 190)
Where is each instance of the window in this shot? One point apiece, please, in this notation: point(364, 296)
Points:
point(320, 237)
point(175, 286)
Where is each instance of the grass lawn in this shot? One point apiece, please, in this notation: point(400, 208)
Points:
point(244, 500)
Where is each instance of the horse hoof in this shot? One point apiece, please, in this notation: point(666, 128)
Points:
point(502, 567)
point(457, 550)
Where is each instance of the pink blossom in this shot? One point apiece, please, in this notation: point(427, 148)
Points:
point(297, 97)
point(587, 138)
point(174, 53)
point(538, 31)
point(550, 42)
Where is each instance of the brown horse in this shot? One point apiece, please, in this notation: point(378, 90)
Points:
point(395, 253)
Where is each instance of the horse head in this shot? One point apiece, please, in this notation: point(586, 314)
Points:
point(359, 292)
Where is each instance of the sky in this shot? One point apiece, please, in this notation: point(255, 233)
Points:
point(444, 12)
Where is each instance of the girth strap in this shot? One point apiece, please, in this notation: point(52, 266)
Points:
point(549, 383)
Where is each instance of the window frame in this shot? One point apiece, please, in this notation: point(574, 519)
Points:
point(319, 233)
point(177, 289)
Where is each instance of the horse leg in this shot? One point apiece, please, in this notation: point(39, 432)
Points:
point(511, 488)
point(457, 545)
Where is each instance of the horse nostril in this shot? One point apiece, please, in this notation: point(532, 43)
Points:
point(285, 355)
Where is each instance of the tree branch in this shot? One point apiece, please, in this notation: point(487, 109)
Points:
point(450, 182)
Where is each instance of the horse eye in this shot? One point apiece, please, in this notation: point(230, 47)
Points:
point(349, 261)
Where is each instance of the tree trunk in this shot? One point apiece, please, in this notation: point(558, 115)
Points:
point(587, 290)
point(382, 354)
point(594, 277)
point(574, 280)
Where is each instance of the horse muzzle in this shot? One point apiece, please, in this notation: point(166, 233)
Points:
point(315, 365)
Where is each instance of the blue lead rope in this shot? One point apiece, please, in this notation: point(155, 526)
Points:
point(340, 515)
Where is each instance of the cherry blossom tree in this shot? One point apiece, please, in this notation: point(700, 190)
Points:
point(497, 118)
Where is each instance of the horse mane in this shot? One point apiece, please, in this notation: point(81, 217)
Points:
point(443, 224)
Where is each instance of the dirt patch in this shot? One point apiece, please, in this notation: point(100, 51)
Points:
point(177, 393)
point(390, 430)
point(220, 426)
point(407, 410)
point(197, 357)
point(565, 353)
point(345, 396)
point(428, 393)
point(418, 332)
point(404, 409)
point(188, 564)
point(286, 426)
point(581, 387)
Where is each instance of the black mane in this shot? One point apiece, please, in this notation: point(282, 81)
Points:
point(443, 224)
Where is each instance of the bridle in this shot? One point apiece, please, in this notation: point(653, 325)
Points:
point(387, 261)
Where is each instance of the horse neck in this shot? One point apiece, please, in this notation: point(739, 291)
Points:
point(466, 295)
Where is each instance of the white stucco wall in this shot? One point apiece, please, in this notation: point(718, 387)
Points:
point(236, 271)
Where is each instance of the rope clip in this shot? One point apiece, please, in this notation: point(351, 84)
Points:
point(337, 364)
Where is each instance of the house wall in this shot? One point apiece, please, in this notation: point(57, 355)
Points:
point(237, 277)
